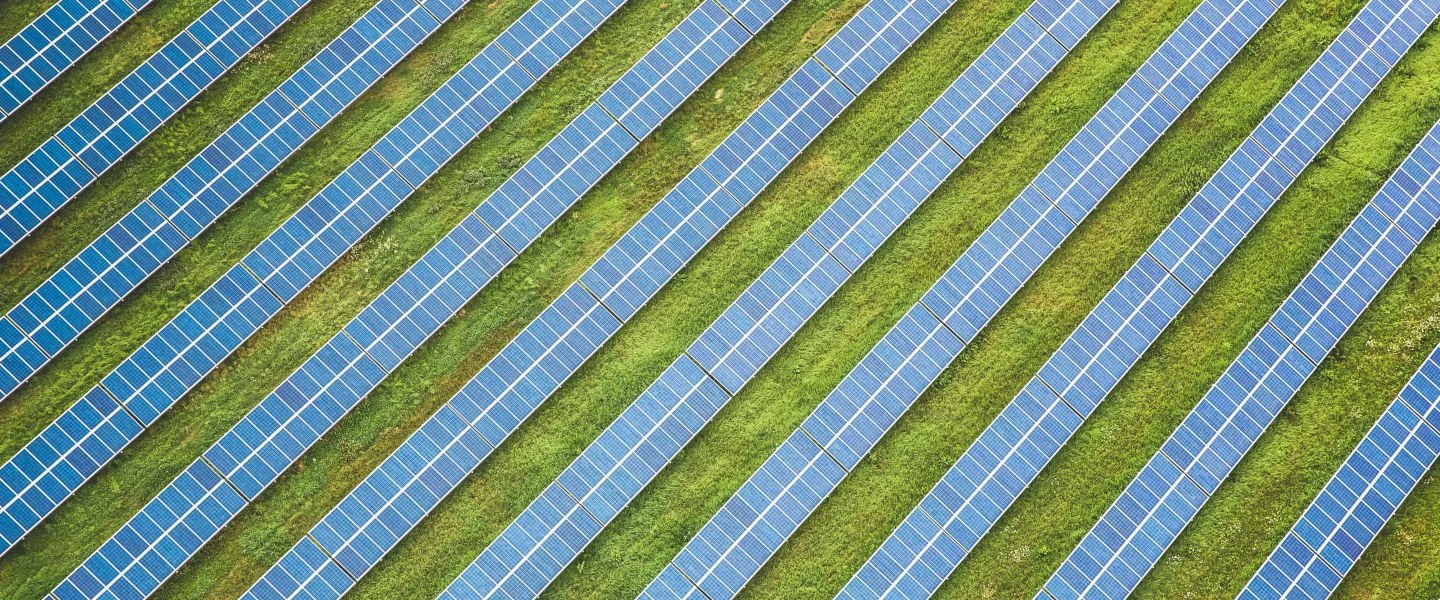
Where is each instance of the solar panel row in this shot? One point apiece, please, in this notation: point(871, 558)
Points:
point(756, 521)
point(100, 276)
point(730, 549)
point(1137, 528)
point(116, 123)
point(1011, 452)
point(273, 434)
point(533, 550)
point(53, 465)
point(372, 519)
point(55, 40)
point(1365, 492)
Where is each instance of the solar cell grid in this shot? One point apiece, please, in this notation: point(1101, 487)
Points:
point(333, 380)
point(194, 342)
point(1026, 436)
point(45, 48)
point(633, 449)
point(117, 122)
point(1135, 531)
point(1360, 497)
point(393, 498)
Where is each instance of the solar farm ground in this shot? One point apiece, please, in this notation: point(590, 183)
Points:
point(1213, 558)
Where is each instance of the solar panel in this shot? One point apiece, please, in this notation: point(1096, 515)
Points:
point(1360, 497)
point(252, 454)
point(757, 519)
point(632, 450)
point(1151, 512)
point(395, 497)
point(1010, 453)
point(45, 48)
point(116, 123)
point(105, 272)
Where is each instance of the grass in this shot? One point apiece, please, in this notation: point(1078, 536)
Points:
point(98, 207)
point(89, 78)
point(1212, 558)
point(14, 16)
point(846, 529)
point(222, 399)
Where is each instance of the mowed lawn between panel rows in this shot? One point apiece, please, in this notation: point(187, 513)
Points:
point(1213, 558)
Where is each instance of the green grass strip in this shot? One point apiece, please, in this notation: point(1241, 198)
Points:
point(429, 378)
point(94, 354)
point(823, 554)
point(143, 469)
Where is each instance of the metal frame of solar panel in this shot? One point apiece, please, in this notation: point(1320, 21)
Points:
point(327, 384)
point(849, 232)
point(1011, 452)
point(50, 44)
point(43, 473)
point(656, 248)
point(149, 96)
point(1362, 495)
point(357, 533)
point(1136, 529)
point(100, 276)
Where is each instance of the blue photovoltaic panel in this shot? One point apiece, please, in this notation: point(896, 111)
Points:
point(396, 496)
point(528, 369)
point(1357, 501)
point(127, 114)
point(753, 14)
point(551, 182)
point(568, 515)
point(1067, 21)
point(875, 37)
point(775, 133)
point(606, 476)
point(797, 476)
point(983, 95)
point(636, 266)
point(973, 494)
point(45, 48)
point(770, 310)
point(192, 344)
point(1135, 531)
point(687, 56)
point(134, 562)
point(274, 434)
point(1026, 423)
point(55, 463)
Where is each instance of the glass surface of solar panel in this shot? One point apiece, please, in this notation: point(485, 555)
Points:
point(146, 98)
point(253, 453)
point(1136, 529)
point(54, 41)
point(106, 271)
point(1367, 489)
point(1035, 208)
point(612, 471)
point(506, 388)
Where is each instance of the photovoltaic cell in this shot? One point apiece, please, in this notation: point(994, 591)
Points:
point(274, 434)
point(102, 274)
point(128, 113)
point(55, 40)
